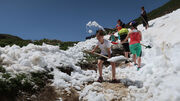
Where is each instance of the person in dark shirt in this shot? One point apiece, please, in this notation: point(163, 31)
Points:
point(119, 25)
point(122, 35)
point(144, 18)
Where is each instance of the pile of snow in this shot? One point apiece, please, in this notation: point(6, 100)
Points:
point(33, 58)
point(90, 93)
point(161, 72)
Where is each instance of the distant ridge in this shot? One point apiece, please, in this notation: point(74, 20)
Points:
point(8, 36)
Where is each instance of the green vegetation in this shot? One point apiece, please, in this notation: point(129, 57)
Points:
point(88, 63)
point(165, 9)
point(6, 39)
point(27, 83)
point(65, 45)
point(62, 45)
point(47, 41)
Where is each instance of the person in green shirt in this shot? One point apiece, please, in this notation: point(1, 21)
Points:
point(112, 37)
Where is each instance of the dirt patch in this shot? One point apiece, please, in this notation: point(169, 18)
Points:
point(48, 93)
point(113, 86)
point(88, 66)
point(66, 69)
point(68, 95)
point(123, 65)
point(117, 90)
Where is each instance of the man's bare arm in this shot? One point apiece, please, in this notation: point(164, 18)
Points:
point(94, 49)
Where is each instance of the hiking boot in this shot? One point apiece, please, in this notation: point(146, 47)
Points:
point(135, 64)
point(114, 81)
point(138, 68)
point(100, 79)
point(126, 61)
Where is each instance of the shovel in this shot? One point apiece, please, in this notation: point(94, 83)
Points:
point(112, 59)
point(146, 46)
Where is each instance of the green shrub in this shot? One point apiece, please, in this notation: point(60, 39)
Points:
point(6, 39)
point(65, 45)
point(6, 75)
point(2, 69)
point(29, 83)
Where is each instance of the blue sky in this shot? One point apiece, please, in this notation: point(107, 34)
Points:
point(66, 19)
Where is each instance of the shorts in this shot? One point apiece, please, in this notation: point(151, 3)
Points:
point(136, 49)
point(103, 58)
point(126, 47)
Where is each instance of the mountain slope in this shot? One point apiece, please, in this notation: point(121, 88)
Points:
point(7, 36)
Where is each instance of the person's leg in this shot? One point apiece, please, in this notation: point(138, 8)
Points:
point(134, 58)
point(126, 54)
point(100, 62)
point(139, 61)
point(113, 70)
point(139, 52)
point(126, 49)
point(133, 51)
point(144, 24)
point(147, 24)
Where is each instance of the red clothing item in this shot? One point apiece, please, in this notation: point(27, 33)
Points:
point(135, 37)
point(114, 43)
point(118, 27)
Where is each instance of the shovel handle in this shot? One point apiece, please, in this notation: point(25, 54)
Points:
point(143, 45)
point(97, 54)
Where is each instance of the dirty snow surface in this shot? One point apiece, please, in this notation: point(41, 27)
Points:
point(157, 80)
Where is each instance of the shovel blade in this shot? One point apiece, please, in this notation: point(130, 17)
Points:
point(117, 59)
point(148, 46)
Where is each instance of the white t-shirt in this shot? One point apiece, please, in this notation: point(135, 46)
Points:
point(104, 46)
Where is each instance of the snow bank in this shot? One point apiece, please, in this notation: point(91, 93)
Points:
point(33, 58)
point(161, 71)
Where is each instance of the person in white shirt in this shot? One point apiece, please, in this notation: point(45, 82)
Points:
point(105, 47)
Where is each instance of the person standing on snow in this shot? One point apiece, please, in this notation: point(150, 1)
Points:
point(119, 25)
point(112, 37)
point(105, 47)
point(122, 35)
point(135, 46)
point(144, 18)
